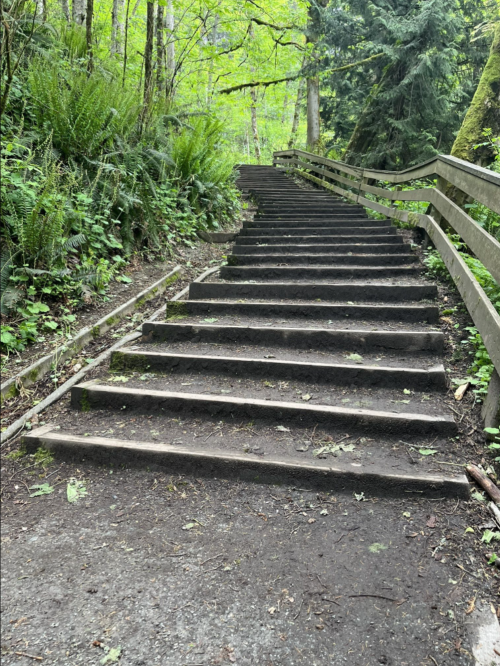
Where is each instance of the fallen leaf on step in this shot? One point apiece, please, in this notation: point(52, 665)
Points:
point(282, 428)
point(189, 526)
point(112, 656)
point(306, 397)
point(460, 392)
point(357, 358)
point(431, 522)
point(471, 606)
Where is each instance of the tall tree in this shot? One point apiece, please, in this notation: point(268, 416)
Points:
point(160, 48)
point(88, 33)
point(148, 53)
point(117, 27)
point(65, 9)
point(78, 11)
point(170, 21)
point(483, 112)
point(296, 114)
point(313, 35)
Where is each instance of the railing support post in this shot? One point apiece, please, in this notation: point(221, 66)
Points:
point(491, 407)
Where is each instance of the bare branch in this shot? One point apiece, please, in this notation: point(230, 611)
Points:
point(293, 77)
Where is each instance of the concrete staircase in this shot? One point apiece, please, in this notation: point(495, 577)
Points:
point(314, 358)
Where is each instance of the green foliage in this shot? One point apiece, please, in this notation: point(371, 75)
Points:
point(89, 178)
point(406, 106)
point(481, 367)
point(82, 113)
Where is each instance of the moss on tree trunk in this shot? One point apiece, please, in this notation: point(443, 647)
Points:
point(484, 111)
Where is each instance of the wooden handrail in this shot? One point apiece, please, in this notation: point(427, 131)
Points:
point(481, 184)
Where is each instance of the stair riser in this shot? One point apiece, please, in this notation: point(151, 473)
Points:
point(307, 338)
point(311, 230)
point(356, 421)
point(312, 292)
point(323, 260)
point(283, 224)
point(333, 375)
point(284, 250)
point(175, 460)
point(345, 239)
point(307, 211)
point(425, 314)
point(316, 272)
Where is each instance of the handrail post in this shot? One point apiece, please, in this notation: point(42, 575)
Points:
point(491, 407)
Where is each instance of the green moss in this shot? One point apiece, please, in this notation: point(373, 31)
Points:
point(117, 363)
point(15, 455)
point(112, 320)
point(84, 401)
point(484, 110)
point(33, 375)
point(232, 260)
point(121, 362)
point(11, 392)
point(95, 331)
point(172, 278)
point(140, 302)
point(176, 310)
point(43, 456)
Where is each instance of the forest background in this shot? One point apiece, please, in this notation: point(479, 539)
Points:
point(122, 121)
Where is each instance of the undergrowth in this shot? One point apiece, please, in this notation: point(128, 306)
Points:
point(90, 180)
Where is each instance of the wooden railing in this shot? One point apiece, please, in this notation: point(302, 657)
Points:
point(482, 185)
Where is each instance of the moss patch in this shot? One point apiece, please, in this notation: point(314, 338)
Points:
point(176, 310)
point(84, 401)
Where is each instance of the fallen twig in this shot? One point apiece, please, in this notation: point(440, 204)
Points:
point(348, 532)
point(211, 558)
point(331, 601)
point(300, 608)
point(30, 656)
point(467, 572)
point(485, 483)
point(321, 582)
point(378, 596)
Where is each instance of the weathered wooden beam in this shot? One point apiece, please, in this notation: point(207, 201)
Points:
point(479, 183)
point(483, 245)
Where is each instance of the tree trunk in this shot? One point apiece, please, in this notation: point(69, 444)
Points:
point(148, 54)
point(170, 21)
point(88, 32)
point(296, 114)
point(160, 48)
point(313, 118)
point(65, 9)
point(116, 27)
point(255, 131)
point(125, 47)
point(484, 111)
point(313, 98)
point(79, 12)
point(136, 7)
point(213, 42)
